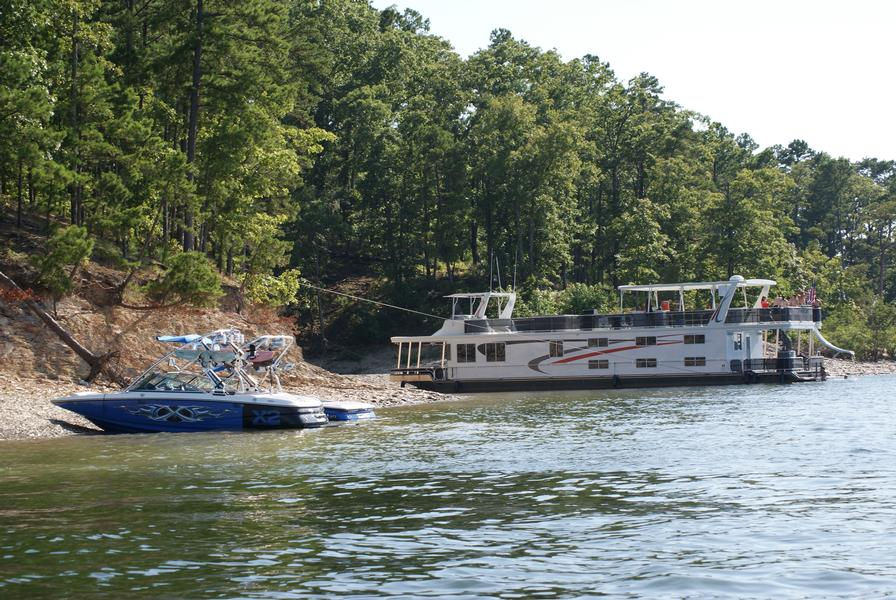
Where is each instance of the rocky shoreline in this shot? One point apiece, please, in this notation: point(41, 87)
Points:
point(26, 411)
point(839, 367)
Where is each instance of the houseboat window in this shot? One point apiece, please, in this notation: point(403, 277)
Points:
point(695, 361)
point(695, 339)
point(466, 353)
point(599, 364)
point(598, 342)
point(643, 363)
point(495, 352)
point(645, 341)
point(556, 348)
point(738, 341)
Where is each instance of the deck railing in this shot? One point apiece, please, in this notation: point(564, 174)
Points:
point(773, 315)
point(794, 363)
point(640, 319)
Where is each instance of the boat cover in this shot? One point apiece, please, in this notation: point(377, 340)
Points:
point(179, 339)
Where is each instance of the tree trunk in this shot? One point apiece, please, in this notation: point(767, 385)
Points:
point(320, 308)
point(75, 209)
point(143, 37)
point(99, 364)
point(19, 202)
point(48, 214)
point(193, 122)
point(166, 223)
point(31, 193)
point(882, 261)
point(144, 251)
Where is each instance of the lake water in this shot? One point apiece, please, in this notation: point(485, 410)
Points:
point(744, 491)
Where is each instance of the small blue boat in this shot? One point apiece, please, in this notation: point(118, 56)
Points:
point(348, 410)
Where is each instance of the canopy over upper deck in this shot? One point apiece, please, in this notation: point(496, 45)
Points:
point(696, 285)
point(482, 295)
point(505, 300)
point(715, 288)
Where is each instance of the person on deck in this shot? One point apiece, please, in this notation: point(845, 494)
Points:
point(763, 302)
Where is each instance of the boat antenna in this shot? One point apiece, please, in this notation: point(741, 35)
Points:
point(491, 262)
point(498, 271)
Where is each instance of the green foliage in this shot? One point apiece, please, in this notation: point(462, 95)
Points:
point(191, 278)
point(271, 290)
point(264, 251)
point(333, 139)
point(579, 297)
point(574, 300)
point(537, 302)
point(67, 249)
point(869, 330)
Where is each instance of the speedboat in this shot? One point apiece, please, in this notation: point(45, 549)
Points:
point(211, 382)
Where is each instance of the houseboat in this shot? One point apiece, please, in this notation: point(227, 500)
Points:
point(700, 333)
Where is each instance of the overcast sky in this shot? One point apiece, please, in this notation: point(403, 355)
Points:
point(819, 70)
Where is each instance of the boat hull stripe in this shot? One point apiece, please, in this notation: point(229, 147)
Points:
point(608, 351)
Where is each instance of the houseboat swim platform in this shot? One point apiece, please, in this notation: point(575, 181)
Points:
point(660, 344)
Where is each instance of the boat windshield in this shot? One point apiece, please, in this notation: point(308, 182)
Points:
point(173, 382)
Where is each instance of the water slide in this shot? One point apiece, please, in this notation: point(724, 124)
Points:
point(832, 346)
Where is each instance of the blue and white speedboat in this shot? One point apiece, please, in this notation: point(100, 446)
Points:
point(209, 382)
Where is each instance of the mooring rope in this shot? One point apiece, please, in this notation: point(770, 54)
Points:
point(410, 310)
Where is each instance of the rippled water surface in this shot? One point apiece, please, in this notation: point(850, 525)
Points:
point(744, 491)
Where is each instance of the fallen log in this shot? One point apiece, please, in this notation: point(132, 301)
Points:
point(98, 363)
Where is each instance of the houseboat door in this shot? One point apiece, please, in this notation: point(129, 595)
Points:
point(736, 350)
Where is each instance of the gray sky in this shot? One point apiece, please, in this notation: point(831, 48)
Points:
point(820, 70)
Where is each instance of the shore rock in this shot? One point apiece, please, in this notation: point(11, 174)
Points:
point(838, 367)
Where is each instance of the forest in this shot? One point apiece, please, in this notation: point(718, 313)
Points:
point(272, 143)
